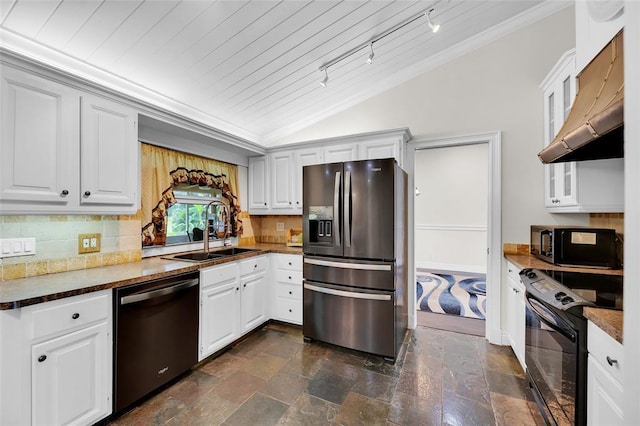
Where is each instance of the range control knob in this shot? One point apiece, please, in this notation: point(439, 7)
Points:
point(566, 300)
point(531, 274)
point(560, 295)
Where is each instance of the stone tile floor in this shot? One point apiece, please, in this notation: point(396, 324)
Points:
point(273, 377)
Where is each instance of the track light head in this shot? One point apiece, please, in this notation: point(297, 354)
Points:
point(371, 55)
point(434, 27)
point(325, 80)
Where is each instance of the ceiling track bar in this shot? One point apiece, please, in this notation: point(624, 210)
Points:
point(377, 38)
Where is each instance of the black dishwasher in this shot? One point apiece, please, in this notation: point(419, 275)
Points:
point(155, 335)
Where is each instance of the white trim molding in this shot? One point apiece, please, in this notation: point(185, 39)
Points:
point(462, 228)
point(493, 331)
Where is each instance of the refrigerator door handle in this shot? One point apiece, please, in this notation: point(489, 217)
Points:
point(336, 210)
point(347, 209)
point(350, 294)
point(346, 265)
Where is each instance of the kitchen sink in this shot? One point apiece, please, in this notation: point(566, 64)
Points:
point(197, 257)
point(233, 251)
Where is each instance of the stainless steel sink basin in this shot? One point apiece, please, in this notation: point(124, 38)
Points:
point(197, 257)
point(232, 251)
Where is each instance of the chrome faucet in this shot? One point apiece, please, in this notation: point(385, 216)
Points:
point(227, 225)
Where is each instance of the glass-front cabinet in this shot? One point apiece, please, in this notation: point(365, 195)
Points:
point(559, 91)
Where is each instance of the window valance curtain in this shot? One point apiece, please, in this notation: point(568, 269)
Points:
point(163, 168)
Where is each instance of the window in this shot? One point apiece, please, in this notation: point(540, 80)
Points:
point(182, 218)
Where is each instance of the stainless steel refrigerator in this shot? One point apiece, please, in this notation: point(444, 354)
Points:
point(355, 249)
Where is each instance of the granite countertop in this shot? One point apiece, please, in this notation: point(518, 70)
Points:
point(609, 320)
point(29, 291)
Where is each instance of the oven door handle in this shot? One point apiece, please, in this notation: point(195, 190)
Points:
point(543, 314)
point(148, 295)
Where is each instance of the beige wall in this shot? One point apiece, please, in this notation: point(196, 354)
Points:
point(494, 88)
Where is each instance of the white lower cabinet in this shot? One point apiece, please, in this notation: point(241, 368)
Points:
point(516, 311)
point(56, 361)
point(233, 300)
point(219, 308)
point(604, 376)
point(287, 287)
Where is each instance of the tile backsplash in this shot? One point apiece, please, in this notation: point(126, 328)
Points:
point(607, 220)
point(57, 243)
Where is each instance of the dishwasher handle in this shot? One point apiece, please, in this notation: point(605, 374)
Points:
point(148, 295)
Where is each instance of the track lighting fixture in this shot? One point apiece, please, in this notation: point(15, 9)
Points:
point(371, 55)
point(427, 13)
point(434, 27)
point(325, 80)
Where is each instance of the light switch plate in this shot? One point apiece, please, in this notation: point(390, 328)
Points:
point(11, 247)
point(88, 243)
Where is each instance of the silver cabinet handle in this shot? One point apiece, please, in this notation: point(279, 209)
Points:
point(611, 361)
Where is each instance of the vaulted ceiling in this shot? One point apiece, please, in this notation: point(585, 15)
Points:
point(251, 68)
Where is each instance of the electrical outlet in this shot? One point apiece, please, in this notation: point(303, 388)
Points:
point(88, 243)
point(280, 226)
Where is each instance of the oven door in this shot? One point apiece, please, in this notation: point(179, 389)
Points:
point(551, 356)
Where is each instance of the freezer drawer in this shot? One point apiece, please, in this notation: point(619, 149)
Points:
point(352, 273)
point(353, 318)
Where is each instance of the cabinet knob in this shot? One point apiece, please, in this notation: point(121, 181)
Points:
point(289, 277)
point(255, 266)
point(290, 292)
point(244, 286)
point(289, 202)
point(265, 204)
point(237, 288)
point(64, 193)
point(87, 193)
point(611, 361)
point(297, 202)
point(42, 358)
point(510, 270)
point(75, 315)
point(290, 310)
point(289, 263)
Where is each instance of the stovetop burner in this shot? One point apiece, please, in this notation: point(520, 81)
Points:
point(566, 289)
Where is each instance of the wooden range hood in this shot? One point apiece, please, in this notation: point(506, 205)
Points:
point(594, 128)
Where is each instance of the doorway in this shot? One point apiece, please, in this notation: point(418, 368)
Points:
point(455, 216)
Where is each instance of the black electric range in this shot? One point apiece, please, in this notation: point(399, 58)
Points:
point(556, 337)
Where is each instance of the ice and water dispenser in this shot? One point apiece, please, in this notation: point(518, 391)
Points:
point(320, 224)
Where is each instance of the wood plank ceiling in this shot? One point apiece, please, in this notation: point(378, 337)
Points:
point(253, 64)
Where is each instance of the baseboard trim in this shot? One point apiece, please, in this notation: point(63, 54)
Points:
point(452, 267)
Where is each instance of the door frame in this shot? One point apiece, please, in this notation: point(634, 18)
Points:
point(493, 331)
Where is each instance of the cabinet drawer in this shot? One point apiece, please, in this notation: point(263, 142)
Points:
point(62, 315)
point(289, 310)
point(601, 346)
point(218, 274)
point(288, 261)
point(253, 265)
point(289, 291)
point(293, 277)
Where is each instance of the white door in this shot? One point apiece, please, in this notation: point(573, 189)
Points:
point(38, 140)
point(258, 185)
point(339, 153)
point(71, 377)
point(254, 301)
point(282, 186)
point(303, 157)
point(219, 317)
point(109, 153)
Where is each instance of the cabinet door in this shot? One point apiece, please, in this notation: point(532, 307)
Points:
point(71, 377)
point(219, 317)
point(281, 183)
point(339, 153)
point(253, 301)
point(515, 312)
point(381, 149)
point(38, 140)
point(303, 157)
point(258, 185)
point(109, 153)
point(560, 179)
point(604, 396)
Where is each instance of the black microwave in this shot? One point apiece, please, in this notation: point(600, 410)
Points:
point(575, 246)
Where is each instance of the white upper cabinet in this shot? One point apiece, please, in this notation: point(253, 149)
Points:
point(65, 152)
point(301, 158)
point(371, 150)
point(339, 153)
point(109, 153)
point(282, 187)
point(38, 152)
point(576, 187)
point(258, 185)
